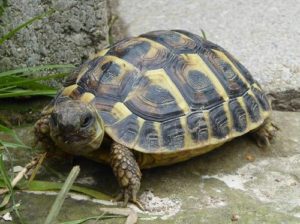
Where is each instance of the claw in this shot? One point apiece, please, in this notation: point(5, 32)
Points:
point(265, 134)
point(124, 197)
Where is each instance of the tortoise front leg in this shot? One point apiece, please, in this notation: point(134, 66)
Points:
point(42, 132)
point(127, 173)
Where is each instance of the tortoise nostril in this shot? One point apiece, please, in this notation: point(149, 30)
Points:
point(54, 119)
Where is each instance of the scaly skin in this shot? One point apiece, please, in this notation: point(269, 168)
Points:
point(127, 173)
point(42, 132)
point(264, 134)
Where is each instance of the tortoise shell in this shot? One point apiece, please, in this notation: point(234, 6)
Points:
point(167, 92)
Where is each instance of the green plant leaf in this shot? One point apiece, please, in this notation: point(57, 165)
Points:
point(13, 134)
point(3, 5)
point(21, 82)
point(37, 185)
point(7, 182)
point(14, 84)
point(13, 145)
point(6, 130)
point(19, 93)
point(23, 25)
point(203, 34)
point(28, 81)
point(5, 200)
point(36, 69)
point(60, 198)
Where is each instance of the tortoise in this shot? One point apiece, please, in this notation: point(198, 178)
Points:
point(153, 100)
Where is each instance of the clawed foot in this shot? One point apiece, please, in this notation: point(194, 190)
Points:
point(129, 195)
point(42, 133)
point(127, 173)
point(265, 134)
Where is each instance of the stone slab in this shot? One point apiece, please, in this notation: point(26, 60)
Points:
point(75, 30)
point(263, 35)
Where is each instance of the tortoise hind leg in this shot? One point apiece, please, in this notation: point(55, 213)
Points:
point(265, 133)
point(127, 173)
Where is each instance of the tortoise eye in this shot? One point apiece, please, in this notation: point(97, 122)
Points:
point(86, 121)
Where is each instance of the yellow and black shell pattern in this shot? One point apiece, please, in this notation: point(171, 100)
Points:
point(169, 91)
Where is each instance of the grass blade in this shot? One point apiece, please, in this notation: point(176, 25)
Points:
point(37, 185)
point(12, 134)
point(3, 5)
point(6, 130)
point(203, 34)
point(62, 195)
point(5, 200)
point(21, 81)
point(6, 181)
point(23, 25)
point(36, 69)
point(13, 145)
point(18, 93)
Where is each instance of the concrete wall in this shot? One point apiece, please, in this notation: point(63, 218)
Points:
point(77, 29)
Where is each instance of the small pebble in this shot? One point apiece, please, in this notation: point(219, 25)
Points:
point(235, 217)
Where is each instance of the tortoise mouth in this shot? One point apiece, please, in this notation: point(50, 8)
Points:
point(72, 139)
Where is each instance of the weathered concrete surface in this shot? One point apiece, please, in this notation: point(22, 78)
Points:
point(76, 30)
point(238, 181)
point(263, 35)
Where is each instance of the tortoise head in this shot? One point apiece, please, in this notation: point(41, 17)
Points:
point(76, 127)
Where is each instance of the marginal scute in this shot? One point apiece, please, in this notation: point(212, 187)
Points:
point(197, 126)
point(218, 122)
point(149, 137)
point(238, 115)
point(172, 134)
point(262, 99)
point(252, 107)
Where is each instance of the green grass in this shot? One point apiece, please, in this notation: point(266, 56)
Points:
point(23, 25)
point(3, 5)
point(10, 196)
point(21, 82)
